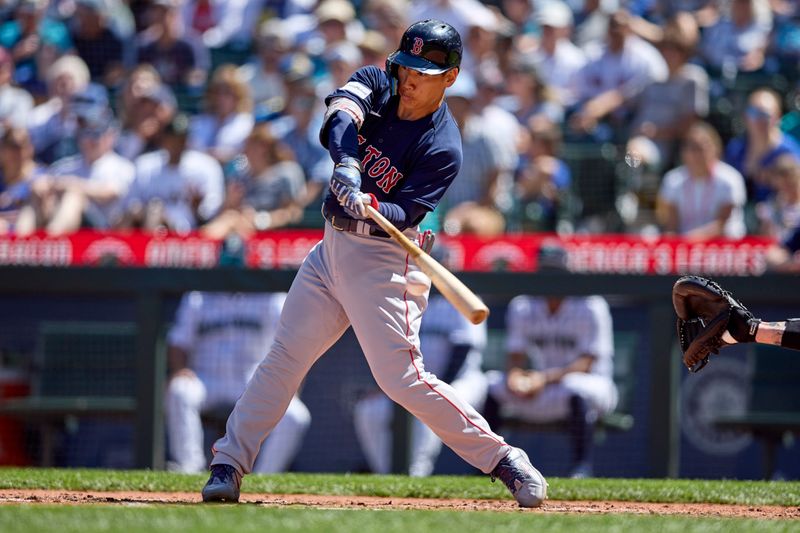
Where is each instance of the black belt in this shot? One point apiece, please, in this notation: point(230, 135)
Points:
point(352, 225)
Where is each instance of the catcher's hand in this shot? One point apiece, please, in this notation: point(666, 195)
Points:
point(709, 318)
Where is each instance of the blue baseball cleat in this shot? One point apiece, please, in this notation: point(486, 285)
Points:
point(525, 482)
point(223, 485)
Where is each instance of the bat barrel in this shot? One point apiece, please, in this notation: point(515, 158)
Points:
point(463, 299)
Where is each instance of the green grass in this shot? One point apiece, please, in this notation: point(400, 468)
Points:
point(641, 490)
point(252, 518)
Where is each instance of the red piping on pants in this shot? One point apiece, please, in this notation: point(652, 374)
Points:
point(431, 387)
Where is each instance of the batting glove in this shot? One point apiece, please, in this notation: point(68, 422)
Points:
point(355, 204)
point(341, 191)
point(347, 173)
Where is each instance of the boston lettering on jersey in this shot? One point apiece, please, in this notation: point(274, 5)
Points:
point(378, 166)
point(406, 162)
point(237, 323)
point(557, 341)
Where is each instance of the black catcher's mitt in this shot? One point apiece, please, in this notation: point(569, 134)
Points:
point(706, 312)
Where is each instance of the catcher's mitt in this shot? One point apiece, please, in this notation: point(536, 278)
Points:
point(709, 318)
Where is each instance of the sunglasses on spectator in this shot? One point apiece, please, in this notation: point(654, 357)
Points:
point(756, 113)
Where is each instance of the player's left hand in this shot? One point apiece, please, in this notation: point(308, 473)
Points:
point(346, 174)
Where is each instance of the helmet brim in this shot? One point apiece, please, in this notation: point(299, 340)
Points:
point(417, 63)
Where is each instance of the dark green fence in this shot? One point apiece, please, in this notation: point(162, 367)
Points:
point(150, 287)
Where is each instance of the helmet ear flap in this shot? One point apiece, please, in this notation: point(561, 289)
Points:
point(391, 71)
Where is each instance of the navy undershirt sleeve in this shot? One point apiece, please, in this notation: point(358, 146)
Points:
point(342, 136)
point(400, 217)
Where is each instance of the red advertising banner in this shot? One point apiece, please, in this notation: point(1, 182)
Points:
point(598, 254)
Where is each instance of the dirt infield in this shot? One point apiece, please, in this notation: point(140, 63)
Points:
point(12, 496)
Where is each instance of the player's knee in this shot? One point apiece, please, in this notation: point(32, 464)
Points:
point(299, 415)
point(281, 359)
point(374, 409)
point(185, 390)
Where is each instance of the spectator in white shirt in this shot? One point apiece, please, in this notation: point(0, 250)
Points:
point(558, 60)
point(228, 119)
point(738, 41)
point(175, 188)
point(703, 198)
point(84, 189)
point(609, 84)
point(15, 103)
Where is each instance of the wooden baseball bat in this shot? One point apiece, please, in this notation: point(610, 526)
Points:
point(458, 294)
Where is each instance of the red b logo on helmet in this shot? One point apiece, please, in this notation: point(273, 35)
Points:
point(417, 48)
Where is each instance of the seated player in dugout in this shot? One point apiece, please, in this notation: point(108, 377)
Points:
point(559, 365)
point(396, 148)
point(216, 342)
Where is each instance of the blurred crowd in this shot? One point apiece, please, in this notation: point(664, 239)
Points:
point(642, 116)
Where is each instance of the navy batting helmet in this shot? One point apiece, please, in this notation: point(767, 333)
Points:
point(428, 46)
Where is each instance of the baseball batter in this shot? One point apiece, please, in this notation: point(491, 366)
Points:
point(454, 351)
point(395, 146)
point(568, 342)
point(215, 345)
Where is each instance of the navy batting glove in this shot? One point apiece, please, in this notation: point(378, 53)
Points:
point(340, 191)
point(347, 173)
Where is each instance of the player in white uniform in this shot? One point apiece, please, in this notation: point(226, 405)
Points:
point(568, 342)
point(453, 348)
point(215, 345)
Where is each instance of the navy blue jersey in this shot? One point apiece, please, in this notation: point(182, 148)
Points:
point(405, 161)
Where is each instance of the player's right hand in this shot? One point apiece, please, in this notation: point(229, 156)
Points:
point(525, 383)
point(355, 203)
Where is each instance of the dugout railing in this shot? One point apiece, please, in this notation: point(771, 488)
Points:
point(150, 287)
